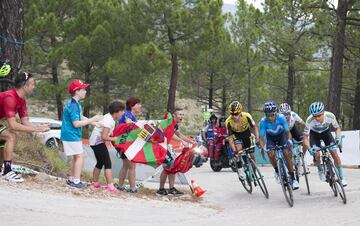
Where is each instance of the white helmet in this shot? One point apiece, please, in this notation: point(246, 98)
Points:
point(285, 108)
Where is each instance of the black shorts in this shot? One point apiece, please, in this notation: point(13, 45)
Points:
point(316, 138)
point(244, 138)
point(297, 134)
point(2, 129)
point(102, 156)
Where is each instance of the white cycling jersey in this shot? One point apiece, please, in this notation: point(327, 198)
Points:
point(319, 127)
point(294, 117)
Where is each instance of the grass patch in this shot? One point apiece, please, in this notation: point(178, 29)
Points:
point(30, 152)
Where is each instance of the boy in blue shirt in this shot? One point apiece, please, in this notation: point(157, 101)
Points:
point(71, 132)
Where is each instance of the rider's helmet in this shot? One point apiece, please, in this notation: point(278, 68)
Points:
point(213, 118)
point(270, 107)
point(234, 107)
point(5, 69)
point(284, 108)
point(316, 108)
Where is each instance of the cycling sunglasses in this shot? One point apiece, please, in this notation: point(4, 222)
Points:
point(269, 115)
point(286, 113)
point(317, 116)
point(235, 114)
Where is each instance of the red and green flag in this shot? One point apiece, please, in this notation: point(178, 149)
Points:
point(144, 143)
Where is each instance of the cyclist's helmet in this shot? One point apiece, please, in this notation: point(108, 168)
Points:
point(234, 107)
point(270, 107)
point(4, 69)
point(284, 108)
point(316, 108)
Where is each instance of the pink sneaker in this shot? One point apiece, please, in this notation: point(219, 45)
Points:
point(95, 185)
point(113, 190)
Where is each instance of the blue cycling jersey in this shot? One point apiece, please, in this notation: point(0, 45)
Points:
point(275, 128)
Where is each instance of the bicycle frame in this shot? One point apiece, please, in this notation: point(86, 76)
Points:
point(279, 155)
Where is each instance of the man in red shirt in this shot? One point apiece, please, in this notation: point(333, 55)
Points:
point(12, 102)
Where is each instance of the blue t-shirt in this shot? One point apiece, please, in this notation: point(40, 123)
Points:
point(129, 115)
point(272, 129)
point(72, 112)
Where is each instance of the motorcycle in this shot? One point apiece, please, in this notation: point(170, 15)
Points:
point(224, 159)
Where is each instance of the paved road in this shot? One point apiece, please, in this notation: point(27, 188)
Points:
point(224, 203)
point(320, 208)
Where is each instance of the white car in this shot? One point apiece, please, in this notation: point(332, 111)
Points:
point(50, 138)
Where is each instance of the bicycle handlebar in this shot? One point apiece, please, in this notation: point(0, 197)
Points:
point(249, 149)
point(329, 146)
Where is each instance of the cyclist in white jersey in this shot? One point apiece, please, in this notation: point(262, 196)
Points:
point(293, 118)
point(318, 128)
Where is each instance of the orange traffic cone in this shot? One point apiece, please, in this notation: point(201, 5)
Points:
point(197, 190)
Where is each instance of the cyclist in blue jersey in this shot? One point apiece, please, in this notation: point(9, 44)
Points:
point(275, 128)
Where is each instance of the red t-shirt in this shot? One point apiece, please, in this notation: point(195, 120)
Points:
point(11, 103)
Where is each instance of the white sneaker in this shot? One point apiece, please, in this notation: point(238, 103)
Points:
point(242, 174)
point(277, 179)
point(322, 176)
point(344, 182)
point(13, 177)
point(295, 184)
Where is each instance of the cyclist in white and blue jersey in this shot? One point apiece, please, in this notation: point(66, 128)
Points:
point(293, 118)
point(275, 128)
point(317, 129)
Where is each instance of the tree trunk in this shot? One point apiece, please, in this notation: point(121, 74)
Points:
point(356, 115)
point(86, 112)
point(249, 88)
point(174, 73)
point(223, 99)
point(55, 78)
point(211, 90)
point(58, 98)
point(291, 80)
point(12, 33)
point(335, 82)
point(106, 88)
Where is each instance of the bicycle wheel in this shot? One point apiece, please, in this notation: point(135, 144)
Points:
point(259, 179)
point(247, 182)
point(305, 172)
point(337, 184)
point(285, 185)
point(330, 176)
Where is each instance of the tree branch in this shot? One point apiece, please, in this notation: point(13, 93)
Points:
point(313, 69)
point(353, 23)
point(352, 18)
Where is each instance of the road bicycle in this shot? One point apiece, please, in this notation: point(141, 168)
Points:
point(253, 174)
point(331, 173)
point(283, 174)
point(299, 163)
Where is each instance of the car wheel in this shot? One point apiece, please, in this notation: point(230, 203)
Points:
point(53, 143)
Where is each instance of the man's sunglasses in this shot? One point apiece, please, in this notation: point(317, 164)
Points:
point(269, 115)
point(286, 113)
point(317, 116)
point(235, 114)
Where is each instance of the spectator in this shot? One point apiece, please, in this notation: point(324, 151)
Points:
point(71, 131)
point(133, 108)
point(12, 102)
point(97, 141)
point(178, 117)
